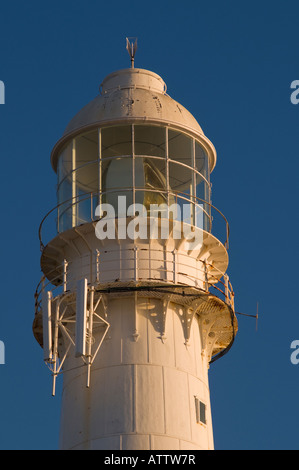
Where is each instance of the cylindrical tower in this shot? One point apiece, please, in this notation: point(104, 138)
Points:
point(135, 302)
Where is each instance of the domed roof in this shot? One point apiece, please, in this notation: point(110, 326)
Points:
point(133, 93)
point(130, 95)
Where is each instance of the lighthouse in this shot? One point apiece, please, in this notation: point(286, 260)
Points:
point(135, 302)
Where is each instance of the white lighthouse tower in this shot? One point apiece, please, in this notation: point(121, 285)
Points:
point(130, 317)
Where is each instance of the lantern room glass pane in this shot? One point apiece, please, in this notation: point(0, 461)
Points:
point(86, 177)
point(150, 140)
point(77, 179)
point(150, 182)
point(116, 141)
point(87, 174)
point(118, 181)
point(203, 209)
point(64, 209)
point(201, 161)
point(180, 147)
point(181, 186)
point(202, 189)
point(180, 179)
point(64, 166)
point(64, 189)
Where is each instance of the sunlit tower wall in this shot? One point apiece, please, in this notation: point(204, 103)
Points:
point(134, 324)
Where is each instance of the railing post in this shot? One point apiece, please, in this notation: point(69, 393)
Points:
point(206, 276)
point(227, 237)
point(97, 265)
point(58, 219)
point(232, 301)
point(65, 264)
point(135, 263)
point(227, 299)
point(174, 262)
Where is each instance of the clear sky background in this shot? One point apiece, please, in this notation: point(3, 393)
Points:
point(231, 65)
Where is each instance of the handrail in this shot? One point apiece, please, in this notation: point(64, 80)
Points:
point(152, 157)
point(196, 201)
point(212, 281)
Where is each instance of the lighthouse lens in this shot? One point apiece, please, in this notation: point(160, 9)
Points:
point(118, 181)
point(150, 183)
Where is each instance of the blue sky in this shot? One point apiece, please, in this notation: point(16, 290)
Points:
point(231, 65)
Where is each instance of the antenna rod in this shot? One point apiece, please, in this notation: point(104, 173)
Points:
point(252, 316)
